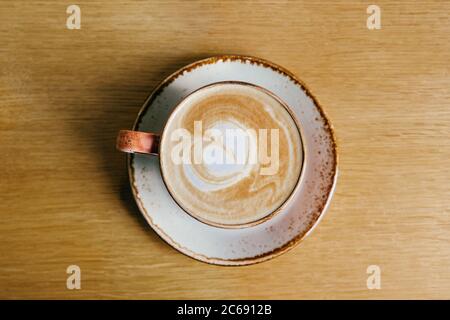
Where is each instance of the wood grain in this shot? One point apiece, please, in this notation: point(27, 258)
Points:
point(64, 195)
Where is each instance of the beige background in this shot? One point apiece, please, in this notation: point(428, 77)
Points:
point(64, 194)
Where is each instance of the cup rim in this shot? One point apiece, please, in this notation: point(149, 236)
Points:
point(288, 199)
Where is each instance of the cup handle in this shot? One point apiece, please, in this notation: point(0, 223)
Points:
point(137, 142)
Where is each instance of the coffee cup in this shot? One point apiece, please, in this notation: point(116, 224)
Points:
point(230, 154)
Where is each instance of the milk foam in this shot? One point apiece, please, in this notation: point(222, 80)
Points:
point(235, 193)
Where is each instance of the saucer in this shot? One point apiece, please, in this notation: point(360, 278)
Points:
point(272, 237)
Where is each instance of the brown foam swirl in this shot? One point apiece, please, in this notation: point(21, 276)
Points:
point(240, 195)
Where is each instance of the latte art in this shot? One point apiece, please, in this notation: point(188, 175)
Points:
point(232, 154)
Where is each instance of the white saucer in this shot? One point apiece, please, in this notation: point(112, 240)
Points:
point(272, 237)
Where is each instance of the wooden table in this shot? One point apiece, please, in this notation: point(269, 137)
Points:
point(64, 193)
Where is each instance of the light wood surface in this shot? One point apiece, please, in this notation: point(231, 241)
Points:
point(64, 194)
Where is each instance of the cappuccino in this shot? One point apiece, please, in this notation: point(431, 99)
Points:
point(231, 154)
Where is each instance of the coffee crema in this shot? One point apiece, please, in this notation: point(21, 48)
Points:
point(224, 182)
